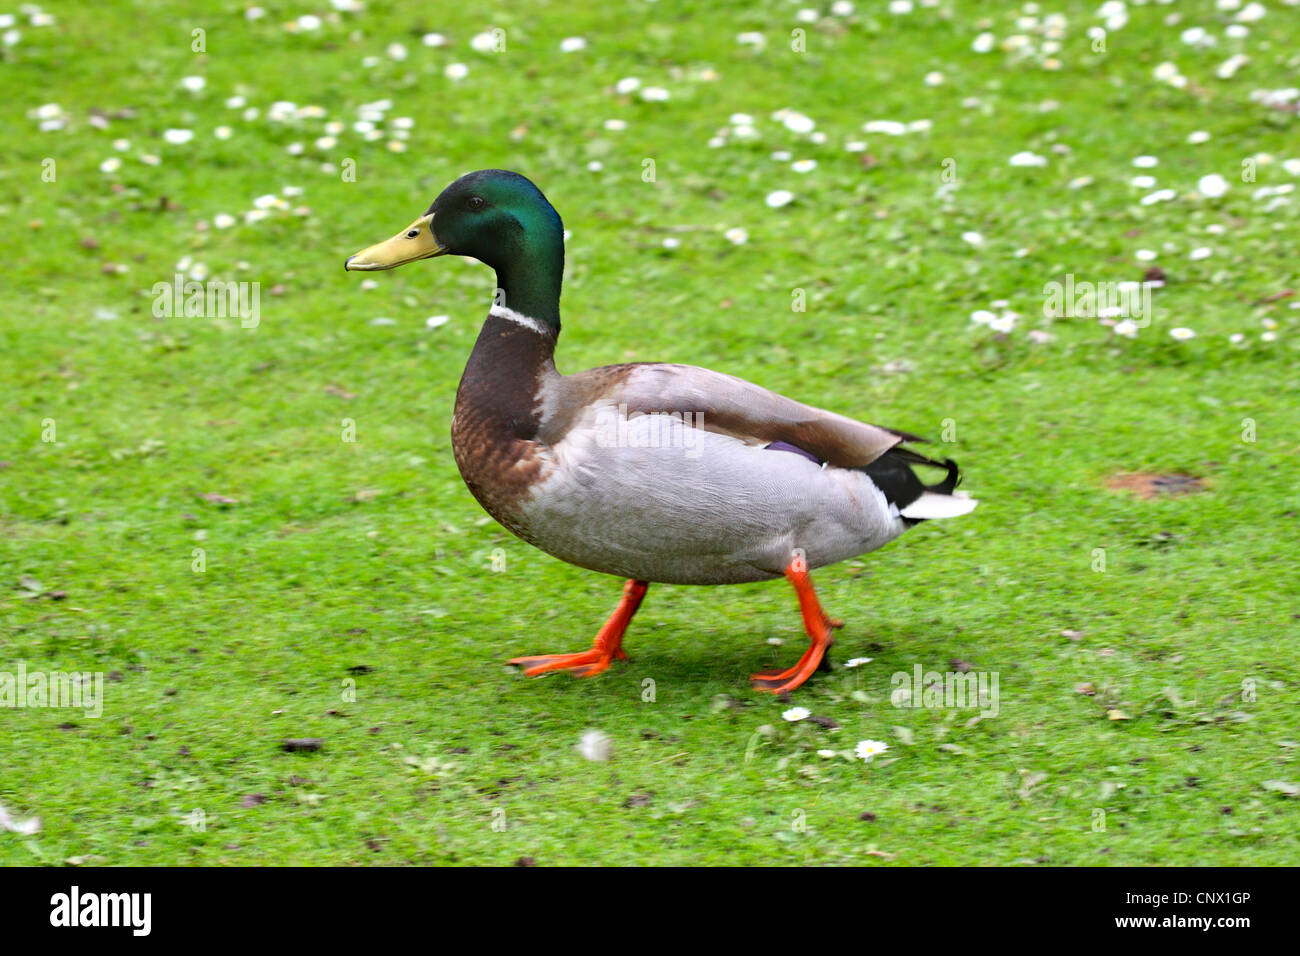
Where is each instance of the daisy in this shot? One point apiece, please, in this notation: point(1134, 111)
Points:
point(178, 136)
point(1127, 328)
point(1182, 334)
point(629, 84)
point(983, 43)
point(888, 127)
point(1160, 195)
point(1027, 158)
point(223, 220)
point(1212, 186)
point(110, 165)
point(433, 321)
point(456, 71)
point(655, 94)
point(223, 132)
point(868, 749)
point(1203, 252)
point(797, 713)
point(194, 84)
point(737, 235)
point(778, 198)
point(857, 661)
point(804, 165)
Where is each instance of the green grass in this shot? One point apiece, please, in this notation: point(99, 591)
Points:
point(445, 756)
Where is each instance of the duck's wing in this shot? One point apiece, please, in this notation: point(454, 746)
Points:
point(719, 403)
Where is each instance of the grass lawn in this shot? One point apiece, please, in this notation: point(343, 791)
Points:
point(180, 510)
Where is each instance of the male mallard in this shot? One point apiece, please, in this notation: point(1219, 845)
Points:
point(651, 472)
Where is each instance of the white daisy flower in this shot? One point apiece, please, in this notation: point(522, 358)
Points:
point(804, 165)
point(655, 94)
point(178, 136)
point(797, 713)
point(629, 84)
point(223, 132)
point(1203, 252)
point(984, 43)
point(1160, 195)
point(1196, 137)
point(888, 127)
point(194, 84)
point(1142, 182)
point(1127, 328)
point(1145, 162)
point(1212, 186)
point(933, 78)
point(433, 39)
point(974, 238)
point(615, 125)
point(572, 44)
point(869, 749)
point(737, 235)
point(798, 123)
point(456, 71)
point(433, 321)
point(1182, 334)
point(671, 242)
point(1027, 158)
point(1145, 255)
point(779, 197)
point(223, 220)
point(857, 661)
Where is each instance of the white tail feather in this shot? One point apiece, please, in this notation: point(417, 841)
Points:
point(931, 505)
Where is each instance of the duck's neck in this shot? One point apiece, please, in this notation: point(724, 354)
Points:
point(515, 351)
point(529, 283)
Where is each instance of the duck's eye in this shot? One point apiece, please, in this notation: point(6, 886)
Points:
point(413, 233)
point(476, 202)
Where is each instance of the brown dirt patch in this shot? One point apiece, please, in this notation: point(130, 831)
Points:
point(1150, 485)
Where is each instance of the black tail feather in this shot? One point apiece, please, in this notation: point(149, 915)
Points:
point(893, 475)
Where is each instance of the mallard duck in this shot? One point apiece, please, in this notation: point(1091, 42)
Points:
point(648, 471)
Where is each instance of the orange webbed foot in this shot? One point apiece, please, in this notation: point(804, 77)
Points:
point(607, 647)
point(819, 627)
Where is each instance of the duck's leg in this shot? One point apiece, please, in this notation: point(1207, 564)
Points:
point(819, 627)
point(607, 646)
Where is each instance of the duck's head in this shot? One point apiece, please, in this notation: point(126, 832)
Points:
point(493, 215)
point(499, 218)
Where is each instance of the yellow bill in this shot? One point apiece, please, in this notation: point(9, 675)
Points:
point(416, 241)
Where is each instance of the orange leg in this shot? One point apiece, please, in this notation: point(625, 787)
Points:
point(607, 646)
point(819, 627)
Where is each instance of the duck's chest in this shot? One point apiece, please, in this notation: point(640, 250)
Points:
point(499, 466)
point(494, 429)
